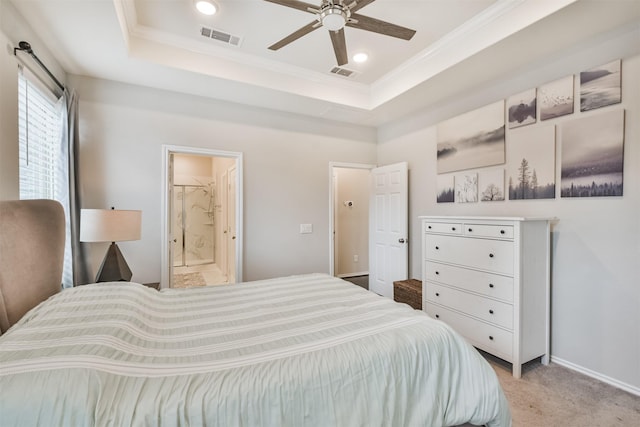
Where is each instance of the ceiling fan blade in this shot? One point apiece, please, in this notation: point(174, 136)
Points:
point(339, 46)
point(295, 35)
point(359, 4)
point(380, 27)
point(300, 5)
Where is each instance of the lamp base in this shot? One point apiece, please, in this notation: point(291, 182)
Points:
point(114, 268)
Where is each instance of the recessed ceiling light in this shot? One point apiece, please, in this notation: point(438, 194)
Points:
point(206, 7)
point(360, 57)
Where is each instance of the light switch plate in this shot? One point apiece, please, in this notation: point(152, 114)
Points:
point(306, 228)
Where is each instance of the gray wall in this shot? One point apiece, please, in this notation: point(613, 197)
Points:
point(286, 170)
point(596, 242)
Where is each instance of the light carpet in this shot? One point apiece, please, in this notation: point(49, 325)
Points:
point(554, 396)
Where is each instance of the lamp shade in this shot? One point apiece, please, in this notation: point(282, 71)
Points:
point(109, 225)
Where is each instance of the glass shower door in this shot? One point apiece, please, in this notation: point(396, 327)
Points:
point(198, 226)
point(193, 223)
point(178, 230)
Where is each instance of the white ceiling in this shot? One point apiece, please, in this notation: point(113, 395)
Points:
point(157, 43)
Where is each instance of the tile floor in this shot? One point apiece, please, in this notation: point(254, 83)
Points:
point(211, 273)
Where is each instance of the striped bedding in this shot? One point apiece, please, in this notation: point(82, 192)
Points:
point(308, 350)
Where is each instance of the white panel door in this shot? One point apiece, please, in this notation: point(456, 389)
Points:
point(231, 218)
point(388, 228)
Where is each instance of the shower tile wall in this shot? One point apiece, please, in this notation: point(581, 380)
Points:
point(193, 210)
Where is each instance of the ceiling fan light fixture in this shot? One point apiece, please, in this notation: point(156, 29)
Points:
point(334, 18)
point(206, 7)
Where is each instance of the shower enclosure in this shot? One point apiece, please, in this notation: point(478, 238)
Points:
point(193, 222)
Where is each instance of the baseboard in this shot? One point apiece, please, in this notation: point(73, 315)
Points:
point(362, 273)
point(598, 376)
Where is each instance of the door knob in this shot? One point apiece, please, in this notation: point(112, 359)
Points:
point(233, 238)
point(175, 240)
point(401, 240)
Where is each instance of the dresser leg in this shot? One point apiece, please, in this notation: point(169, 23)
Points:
point(517, 369)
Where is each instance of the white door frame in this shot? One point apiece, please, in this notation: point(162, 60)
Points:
point(332, 207)
point(224, 246)
point(165, 216)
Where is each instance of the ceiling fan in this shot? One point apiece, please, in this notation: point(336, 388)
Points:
point(334, 15)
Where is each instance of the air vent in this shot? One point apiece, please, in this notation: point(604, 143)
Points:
point(342, 72)
point(220, 36)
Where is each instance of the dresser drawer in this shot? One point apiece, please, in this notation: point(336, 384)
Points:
point(443, 227)
point(493, 311)
point(485, 254)
point(492, 231)
point(491, 285)
point(482, 335)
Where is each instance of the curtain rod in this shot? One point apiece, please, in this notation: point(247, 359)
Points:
point(26, 47)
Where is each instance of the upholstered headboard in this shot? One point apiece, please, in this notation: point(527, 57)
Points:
point(32, 235)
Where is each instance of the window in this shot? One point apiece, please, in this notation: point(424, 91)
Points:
point(42, 163)
point(39, 139)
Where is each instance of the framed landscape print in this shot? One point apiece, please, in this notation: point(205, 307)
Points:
point(600, 86)
point(466, 187)
point(471, 140)
point(491, 185)
point(556, 98)
point(521, 109)
point(445, 188)
point(531, 164)
point(593, 155)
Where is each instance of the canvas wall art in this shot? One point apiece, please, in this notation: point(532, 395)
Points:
point(531, 163)
point(521, 109)
point(491, 185)
point(556, 98)
point(471, 140)
point(445, 189)
point(466, 187)
point(600, 86)
point(593, 155)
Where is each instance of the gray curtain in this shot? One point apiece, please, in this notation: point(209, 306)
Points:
point(76, 271)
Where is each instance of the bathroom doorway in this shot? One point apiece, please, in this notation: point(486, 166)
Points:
point(349, 221)
point(199, 221)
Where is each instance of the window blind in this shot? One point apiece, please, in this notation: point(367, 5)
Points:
point(42, 159)
point(39, 139)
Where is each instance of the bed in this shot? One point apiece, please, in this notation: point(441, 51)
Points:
point(306, 350)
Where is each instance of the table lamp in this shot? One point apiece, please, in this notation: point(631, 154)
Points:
point(111, 225)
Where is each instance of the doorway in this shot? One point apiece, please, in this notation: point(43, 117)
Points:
point(202, 217)
point(349, 224)
point(386, 236)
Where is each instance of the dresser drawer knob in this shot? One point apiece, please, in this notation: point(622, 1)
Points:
point(470, 230)
point(437, 273)
point(491, 285)
point(437, 248)
point(437, 316)
point(490, 255)
point(453, 229)
point(490, 311)
point(429, 227)
point(437, 294)
point(502, 232)
point(491, 337)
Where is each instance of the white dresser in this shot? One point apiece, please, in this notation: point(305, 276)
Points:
point(488, 278)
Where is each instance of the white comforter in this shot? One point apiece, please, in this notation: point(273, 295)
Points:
point(306, 350)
